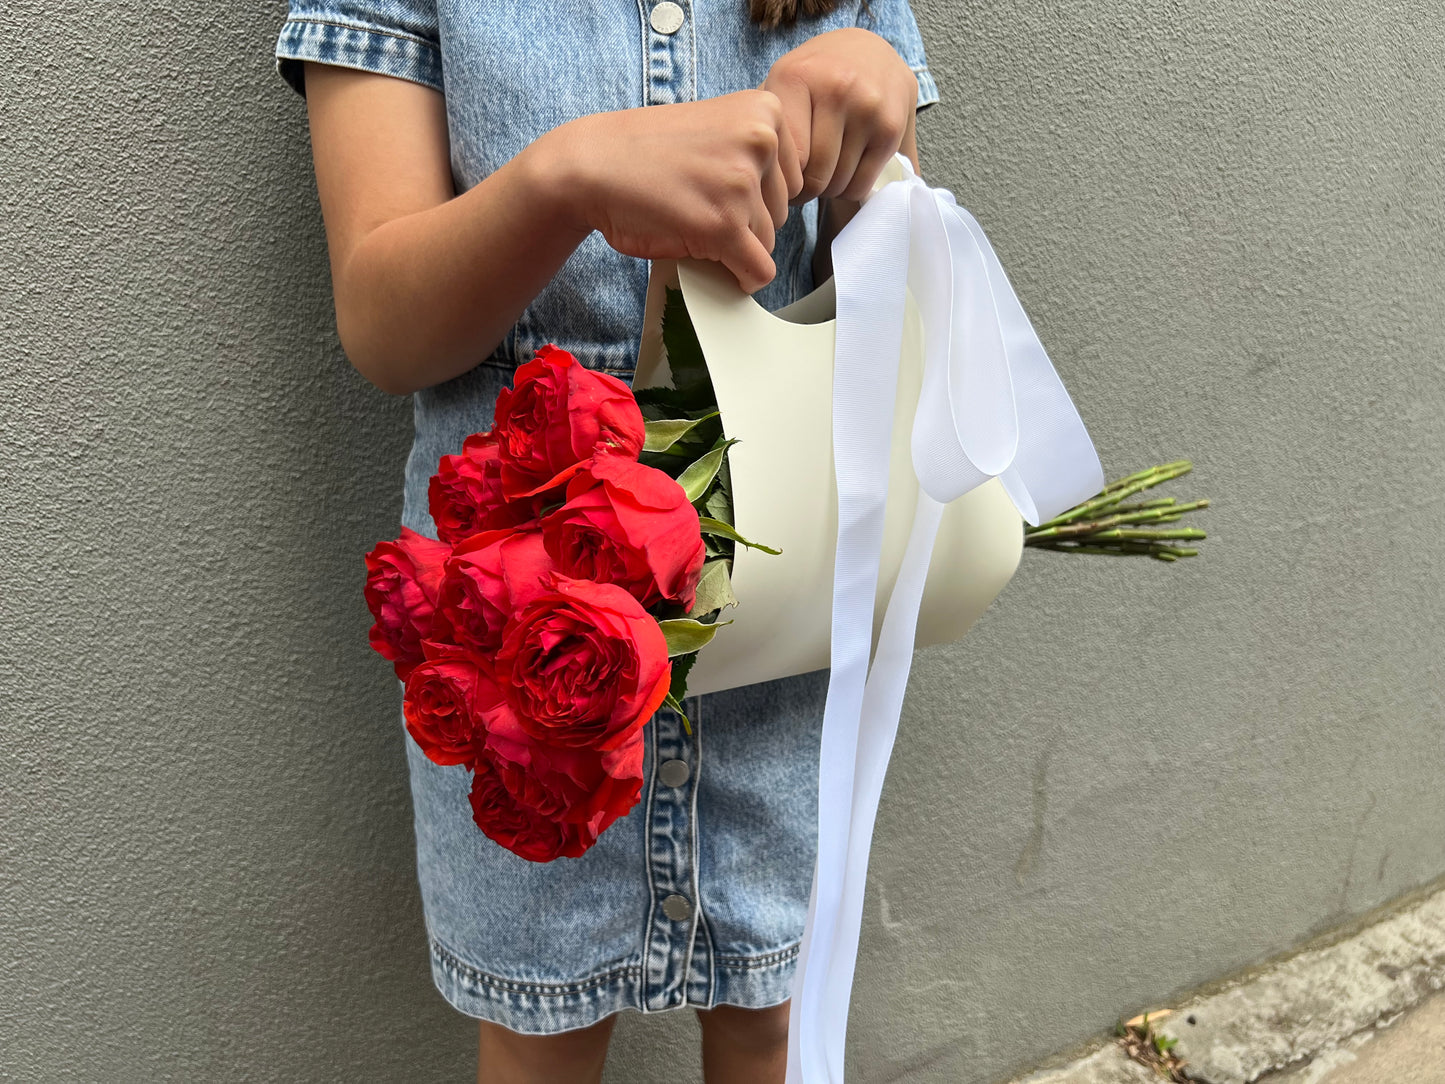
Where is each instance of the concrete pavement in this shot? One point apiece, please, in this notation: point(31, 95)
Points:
point(1408, 1048)
point(1363, 1009)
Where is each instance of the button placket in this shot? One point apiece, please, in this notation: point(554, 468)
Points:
point(671, 977)
point(670, 52)
point(671, 865)
point(699, 967)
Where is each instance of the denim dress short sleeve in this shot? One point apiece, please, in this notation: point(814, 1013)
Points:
point(390, 37)
point(894, 20)
point(697, 897)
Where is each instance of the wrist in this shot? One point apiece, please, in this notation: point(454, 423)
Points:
point(559, 179)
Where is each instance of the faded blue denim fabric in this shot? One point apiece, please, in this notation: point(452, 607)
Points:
point(699, 896)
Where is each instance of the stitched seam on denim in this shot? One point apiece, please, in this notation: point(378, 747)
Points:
point(363, 29)
point(931, 96)
point(647, 852)
point(767, 960)
point(514, 986)
point(694, 856)
point(671, 849)
point(646, 81)
point(706, 920)
point(524, 339)
point(692, 59)
point(509, 365)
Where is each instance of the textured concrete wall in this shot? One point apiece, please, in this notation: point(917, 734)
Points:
point(1225, 219)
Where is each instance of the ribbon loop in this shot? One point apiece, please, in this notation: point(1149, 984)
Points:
point(991, 406)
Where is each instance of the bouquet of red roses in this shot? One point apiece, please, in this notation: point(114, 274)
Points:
point(582, 559)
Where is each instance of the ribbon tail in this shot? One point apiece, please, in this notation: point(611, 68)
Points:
point(991, 405)
point(870, 259)
point(882, 707)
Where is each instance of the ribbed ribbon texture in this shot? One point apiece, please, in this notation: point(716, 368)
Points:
point(991, 406)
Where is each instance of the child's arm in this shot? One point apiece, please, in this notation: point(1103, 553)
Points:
point(427, 283)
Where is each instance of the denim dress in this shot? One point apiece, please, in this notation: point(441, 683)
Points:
point(699, 895)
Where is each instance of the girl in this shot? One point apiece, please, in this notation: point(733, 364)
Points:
point(495, 175)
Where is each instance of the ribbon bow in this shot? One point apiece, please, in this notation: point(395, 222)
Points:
point(991, 406)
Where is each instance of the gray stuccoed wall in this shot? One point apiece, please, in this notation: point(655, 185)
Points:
point(1225, 220)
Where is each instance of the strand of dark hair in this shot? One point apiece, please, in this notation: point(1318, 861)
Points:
point(774, 13)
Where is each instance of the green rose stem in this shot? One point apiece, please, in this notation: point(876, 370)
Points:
point(1105, 525)
point(1165, 514)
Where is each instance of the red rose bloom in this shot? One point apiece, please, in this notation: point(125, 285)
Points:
point(447, 702)
point(402, 578)
point(556, 415)
point(523, 831)
point(489, 577)
point(465, 494)
point(583, 665)
point(629, 524)
point(575, 785)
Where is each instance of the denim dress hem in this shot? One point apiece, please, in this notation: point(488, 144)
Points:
point(750, 982)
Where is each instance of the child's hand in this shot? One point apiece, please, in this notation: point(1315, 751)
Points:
point(849, 99)
point(709, 180)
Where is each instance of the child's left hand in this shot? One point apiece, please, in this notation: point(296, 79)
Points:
point(849, 100)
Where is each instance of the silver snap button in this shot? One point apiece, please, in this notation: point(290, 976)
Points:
point(677, 907)
point(673, 773)
point(666, 17)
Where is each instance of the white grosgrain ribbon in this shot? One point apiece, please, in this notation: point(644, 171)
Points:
point(991, 406)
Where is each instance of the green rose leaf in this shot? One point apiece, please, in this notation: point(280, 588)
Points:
point(681, 666)
point(717, 526)
point(663, 434)
point(699, 476)
point(719, 504)
point(684, 635)
point(714, 589)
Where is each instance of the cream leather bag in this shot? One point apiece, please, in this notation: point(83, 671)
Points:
point(896, 427)
point(773, 374)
